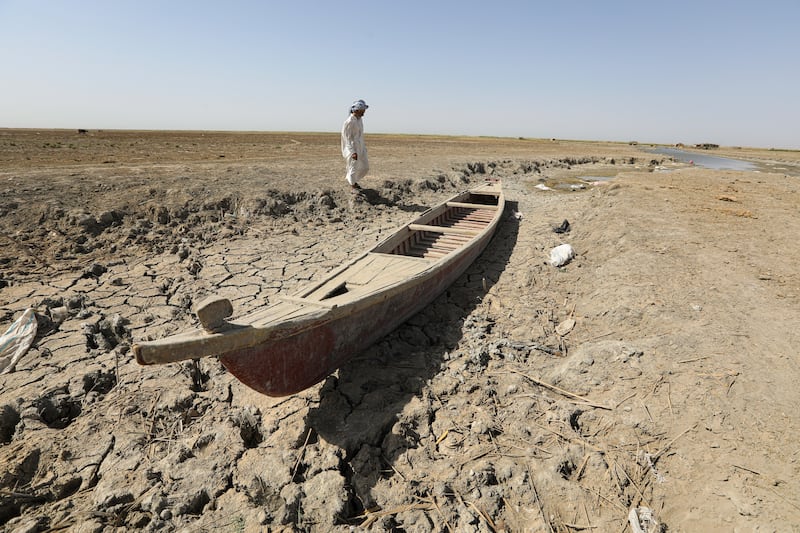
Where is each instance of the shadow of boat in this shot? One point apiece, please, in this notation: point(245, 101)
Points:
point(360, 404)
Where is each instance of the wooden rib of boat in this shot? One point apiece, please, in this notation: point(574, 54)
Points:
point(297, 341)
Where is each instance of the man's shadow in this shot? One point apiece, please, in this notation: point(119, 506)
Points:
point(362, 402)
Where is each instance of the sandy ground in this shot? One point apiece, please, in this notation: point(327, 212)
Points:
point(655, 372)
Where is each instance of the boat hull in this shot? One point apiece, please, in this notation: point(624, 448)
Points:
point(303, 337)
point(292, 364)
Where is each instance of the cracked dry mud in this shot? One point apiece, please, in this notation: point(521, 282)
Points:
point(674, 389)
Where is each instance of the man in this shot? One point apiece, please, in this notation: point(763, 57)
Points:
point(354, 150)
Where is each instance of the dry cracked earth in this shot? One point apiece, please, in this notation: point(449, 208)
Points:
point(655, 373)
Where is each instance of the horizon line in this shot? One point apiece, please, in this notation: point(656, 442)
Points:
point(306, 132)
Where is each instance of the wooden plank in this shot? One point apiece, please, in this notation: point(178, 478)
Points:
point(308, 289)
point(471, 206)
point(443, 246)
point(359, 273)
point(410, 259)
point(440, 229)
point(289, 311)
point(399, 266)
point(390, 277)
point(273, 313)
point(467, 224)
point(320, 291)
point(453, 237)
point(376, 265)
point(462, 213)
point(438, 249)
point(362, 268)
point(466, 220)
point(434, 254)
point(305, 301)
point(456, 245)
point(440, 245)
point(432, 238)
point(479, 216)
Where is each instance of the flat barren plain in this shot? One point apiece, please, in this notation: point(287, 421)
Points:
point(650, 382)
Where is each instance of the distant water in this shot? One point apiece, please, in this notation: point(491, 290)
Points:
point(705, 161)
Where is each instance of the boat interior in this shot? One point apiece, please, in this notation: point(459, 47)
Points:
point(448, 228)
point(434, 235)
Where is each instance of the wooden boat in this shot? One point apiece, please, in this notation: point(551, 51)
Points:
point(303, 337)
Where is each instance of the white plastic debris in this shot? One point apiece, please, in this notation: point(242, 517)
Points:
point(642, 520)
point(16, 340)
point(542, 187)
point(561, 255)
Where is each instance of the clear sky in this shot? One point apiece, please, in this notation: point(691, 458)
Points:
point(725, 72)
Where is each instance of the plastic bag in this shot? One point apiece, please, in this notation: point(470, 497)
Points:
point(16, 340)
point(561, 255)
